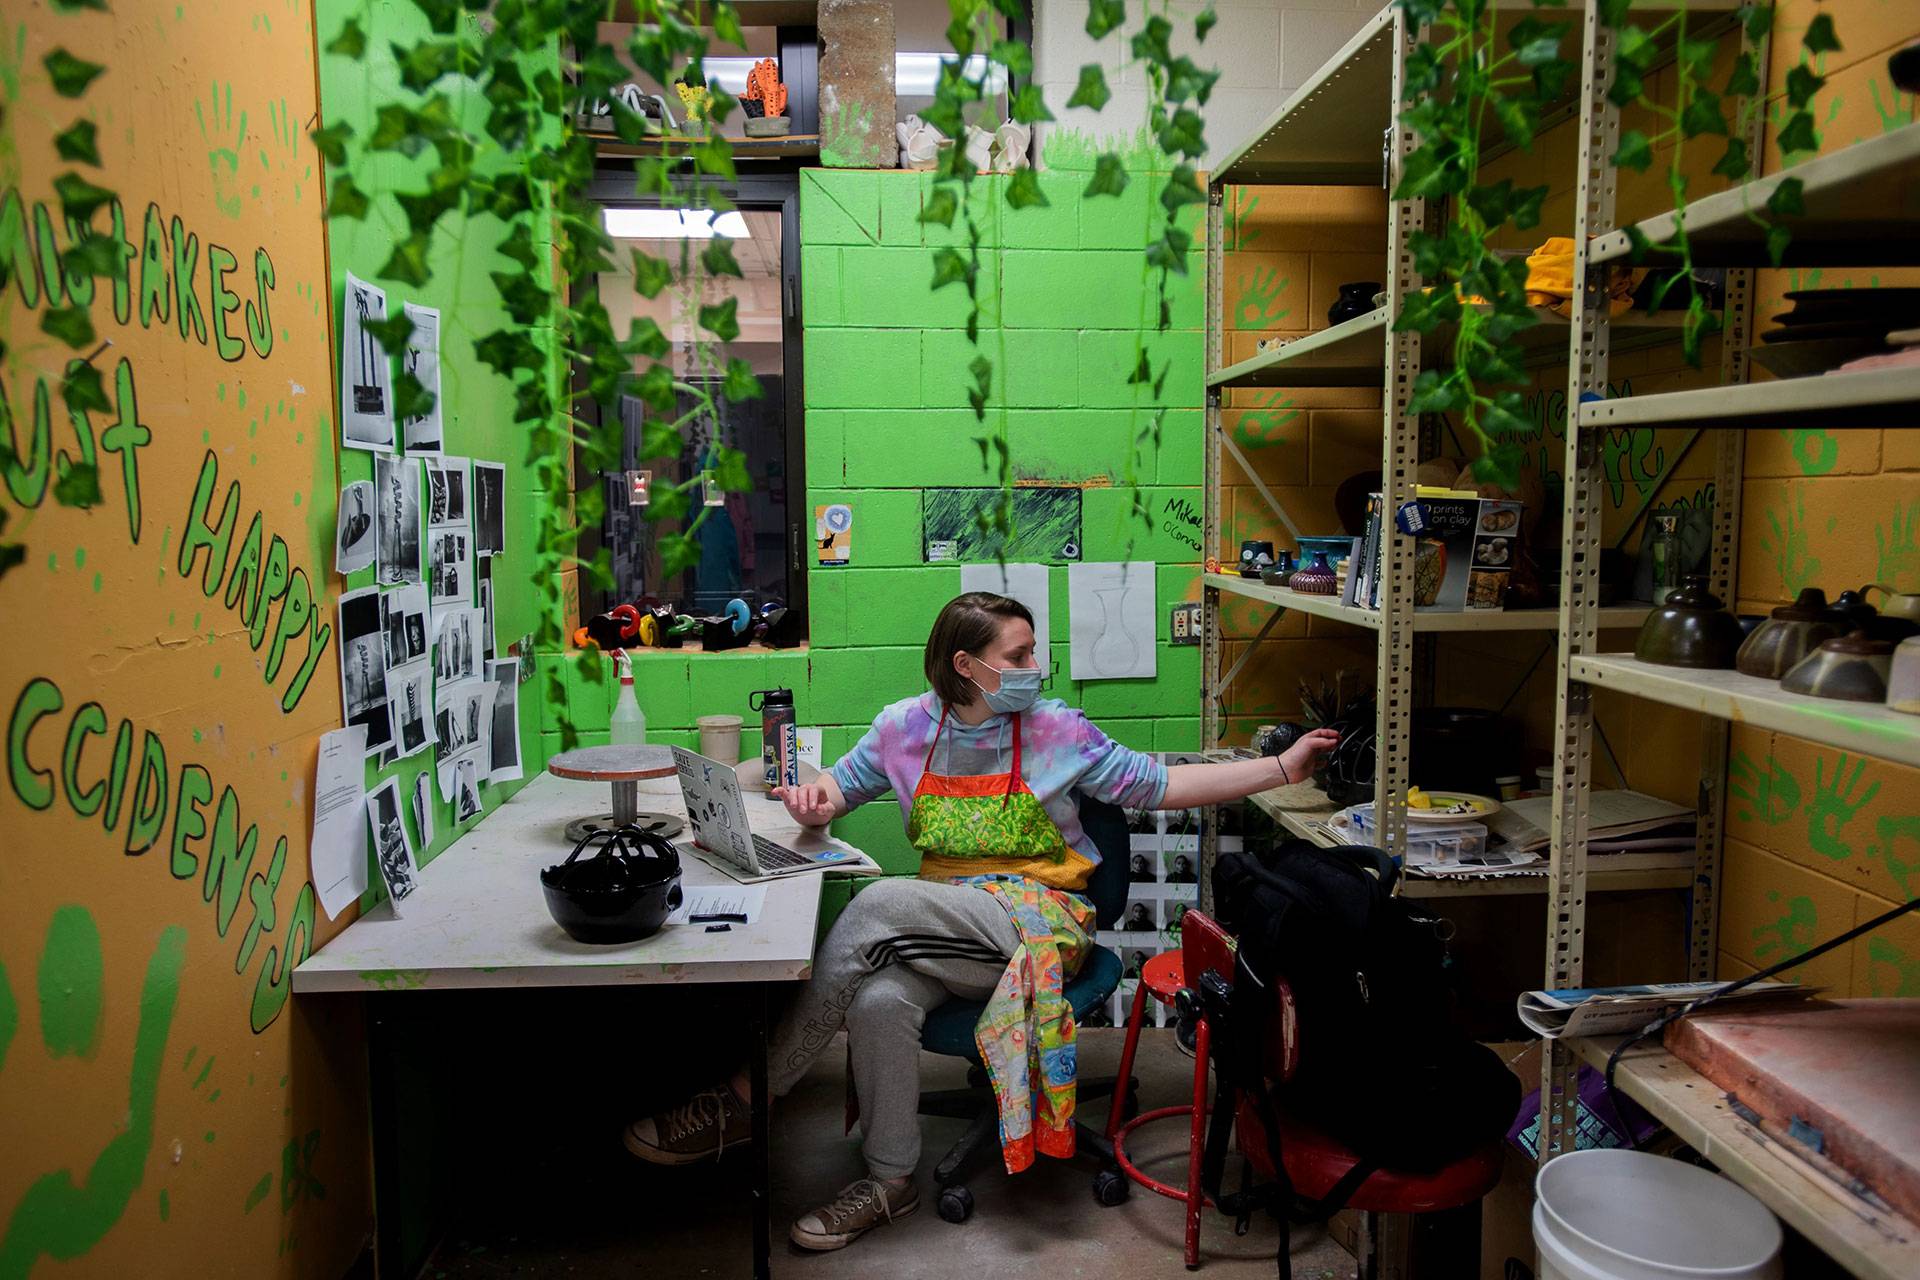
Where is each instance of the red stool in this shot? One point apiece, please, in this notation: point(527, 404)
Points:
point(1162, 978)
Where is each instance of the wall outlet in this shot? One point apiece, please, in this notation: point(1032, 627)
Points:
point(1185, 624)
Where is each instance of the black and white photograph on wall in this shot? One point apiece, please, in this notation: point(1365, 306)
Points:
point(363, 667)
point(421, 358)
point(354, 540)
point(489, 508)
point(392, 847)
point(404, 617)
point(483, 575)
point(504, 755)
point(423, 809)
point(366, 372)
point(409, 702)
point(466, 794)
point(1180, 867)
point(450, 568)
point(455, 716)
point(1139, 917)
point(1140, 869)
point(456, 652)
point(1136, 960)
point(446, 493)
point(396, 488)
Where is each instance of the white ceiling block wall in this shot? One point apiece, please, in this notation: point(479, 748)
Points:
point(1264, 49)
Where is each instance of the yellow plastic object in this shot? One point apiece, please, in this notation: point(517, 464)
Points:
point(1418, 799)
point(649, 630)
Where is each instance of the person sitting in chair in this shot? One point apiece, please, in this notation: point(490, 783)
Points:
point(986, 772)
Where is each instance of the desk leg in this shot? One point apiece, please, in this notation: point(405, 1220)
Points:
point(757, 999)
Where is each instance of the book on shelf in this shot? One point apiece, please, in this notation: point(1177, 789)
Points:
point(1618, 823)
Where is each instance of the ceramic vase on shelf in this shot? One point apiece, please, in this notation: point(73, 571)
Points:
point(1355, 299)
point(1317, 579)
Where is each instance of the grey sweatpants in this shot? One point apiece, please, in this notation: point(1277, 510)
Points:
point(901, 948)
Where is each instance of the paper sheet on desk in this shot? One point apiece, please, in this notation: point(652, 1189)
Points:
point(1612, 1011)
point(339, 848)
point(721, 900)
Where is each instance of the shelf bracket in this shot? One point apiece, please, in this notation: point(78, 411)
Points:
point(1273, 620)
point(1279, 513)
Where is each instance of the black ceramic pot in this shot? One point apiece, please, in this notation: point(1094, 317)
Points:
point(1356, 299)
point(623, 893)
point(1690, 630)
point(1794, 631)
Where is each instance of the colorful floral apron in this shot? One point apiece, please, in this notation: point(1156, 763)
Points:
point(1026, 1034)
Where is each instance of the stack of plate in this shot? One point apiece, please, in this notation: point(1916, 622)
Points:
point(1825, 328)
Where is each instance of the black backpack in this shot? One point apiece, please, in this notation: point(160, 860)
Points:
point(1382, 1068)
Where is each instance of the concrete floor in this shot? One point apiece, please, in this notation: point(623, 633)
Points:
point(585, 1208)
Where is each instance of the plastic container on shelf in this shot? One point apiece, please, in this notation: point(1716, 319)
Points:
point(1627, 1215)
point(1425, 845)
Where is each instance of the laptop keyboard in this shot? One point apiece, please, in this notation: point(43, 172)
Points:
point(773, 855)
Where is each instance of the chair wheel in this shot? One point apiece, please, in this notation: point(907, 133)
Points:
point(1110, 1187)
point(956, 1204)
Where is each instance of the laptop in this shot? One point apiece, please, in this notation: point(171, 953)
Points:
point(717, 811)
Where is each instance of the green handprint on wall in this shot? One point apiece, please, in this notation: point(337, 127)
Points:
point(1770, 797)
point(1790, 935)
point(1894, 113)
point(1900, 865)
point(1833, 806)
point(59, 1217)
point(1259, 306)
point(1240, 208)
point(1786, 541)
point(1813, 449)
point(1891, 971)
point(1260, 425)
point(284, 131)
point(1899, 548)
point(223, 161)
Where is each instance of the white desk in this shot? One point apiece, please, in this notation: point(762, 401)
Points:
point(479, 919)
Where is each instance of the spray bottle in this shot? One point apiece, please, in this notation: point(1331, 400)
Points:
point(628, 726)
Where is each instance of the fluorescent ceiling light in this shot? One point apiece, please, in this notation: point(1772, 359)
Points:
point(675, 224)
point(916, 75)
point(729, 73)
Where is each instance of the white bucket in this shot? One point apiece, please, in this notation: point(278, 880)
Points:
point(1626, 1215)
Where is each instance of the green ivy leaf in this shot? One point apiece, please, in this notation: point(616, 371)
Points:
point(505, 350)
point(1426, 173)
point(1788, 199)
point(940, 207)
point(1820, 37)
point(70, 75)
point(331, 142)
point(1519, 119)
point(678, 553)
point(1437, 392)
point(1423, 311)
point(1779, 236)
point(77, 143)
point(408, 261)
point(78, 485)
point(1023, 190)
point(411, 399)
point(1703, 116)
point(83, 390)
point(1758, 22)
point(719, 319)
point(1744, 80)
point(74, 6)
point(1187, 81)
point(1507, 416)
point(1169, 252)
point(1799, 136)
point(1152, 42)
point(1092, 90)
point(646, 339)
point(1734, 163)
point(522, 295)
point(78, 197)
point(726, 25)
point(1635, 152)
point(1015, 56)
point(1030, 106)
point(650, 274)
point(950, 267)
point(71, 324)
point(658, 439)
point(95, 255)
point(392, 332)
point(729, 473)
point(1802, 84)
point(740, 384)
point(1183, 135)
point(350, 43)
point(531, 403)
point(1536, 43)
point(1109, 176)
point(1104, 16)
point(1208, 19)
point(717, 258)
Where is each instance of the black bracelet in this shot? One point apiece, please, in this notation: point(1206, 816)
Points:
point(1286, 779)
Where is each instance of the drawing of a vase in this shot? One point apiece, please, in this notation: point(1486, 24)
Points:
point(1115, 651)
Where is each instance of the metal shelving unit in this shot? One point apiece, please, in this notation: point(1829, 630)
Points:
point(1863, 209)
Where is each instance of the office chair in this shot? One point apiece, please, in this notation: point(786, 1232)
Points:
point(949, 1031)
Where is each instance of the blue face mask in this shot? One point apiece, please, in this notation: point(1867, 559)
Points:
point(1019, 687)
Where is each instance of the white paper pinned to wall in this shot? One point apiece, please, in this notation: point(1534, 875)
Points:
point(1026, 583)
point(1112, 620)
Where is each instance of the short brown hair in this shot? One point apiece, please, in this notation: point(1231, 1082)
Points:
point(968, 624)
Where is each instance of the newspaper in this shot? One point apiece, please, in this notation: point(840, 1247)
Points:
point(1612, 817)
point(1612, 1011)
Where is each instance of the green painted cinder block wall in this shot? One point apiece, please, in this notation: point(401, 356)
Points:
point(887, 417)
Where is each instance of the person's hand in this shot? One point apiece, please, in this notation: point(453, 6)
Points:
point(808, 803)
point(1304, 758)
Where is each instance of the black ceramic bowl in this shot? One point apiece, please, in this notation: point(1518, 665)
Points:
point(622, 894)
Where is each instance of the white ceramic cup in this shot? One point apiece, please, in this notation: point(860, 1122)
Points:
point(720, 738)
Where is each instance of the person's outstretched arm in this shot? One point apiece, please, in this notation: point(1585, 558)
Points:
point(816, 803)
point(1190, 786)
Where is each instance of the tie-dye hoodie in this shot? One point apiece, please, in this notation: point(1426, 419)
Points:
point(1062, 753)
